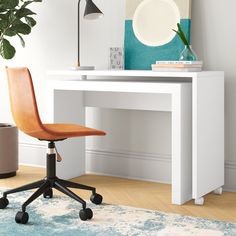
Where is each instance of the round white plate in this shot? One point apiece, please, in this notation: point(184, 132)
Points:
point(154, 20)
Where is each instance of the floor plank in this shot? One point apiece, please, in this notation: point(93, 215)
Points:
point(136, 193)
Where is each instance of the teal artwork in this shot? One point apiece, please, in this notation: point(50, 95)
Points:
point(148, 31)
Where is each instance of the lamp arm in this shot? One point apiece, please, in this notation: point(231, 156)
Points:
point(78, 47)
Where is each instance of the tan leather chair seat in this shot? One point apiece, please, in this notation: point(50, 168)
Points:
point(63, 131)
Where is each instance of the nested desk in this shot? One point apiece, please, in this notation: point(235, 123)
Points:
point(195, 99)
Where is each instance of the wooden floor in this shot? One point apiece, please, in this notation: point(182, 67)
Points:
point(140, 194)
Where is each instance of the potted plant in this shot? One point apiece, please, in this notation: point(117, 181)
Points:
point(188, 53)
point(16, 19)
point(8, 150)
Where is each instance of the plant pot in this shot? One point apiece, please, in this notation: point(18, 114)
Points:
point(8, 150)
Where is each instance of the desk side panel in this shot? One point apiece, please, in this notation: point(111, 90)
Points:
point(182, 145)
point(208, 134)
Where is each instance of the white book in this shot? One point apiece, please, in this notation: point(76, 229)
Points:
point(181, 62)
point(176, 65)
point(173, 69)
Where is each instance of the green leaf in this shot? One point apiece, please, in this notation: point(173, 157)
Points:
point(7, 51)
point(9, 4)
point(26, 4)
point(5, 16)
point(187, 37)
point(21, 28)
point(29, 2)
point(10, 32)
point(21, 40)
point(30, 21)
point(3, 24)
point(9, 16)
point(180, 33)
point(23, 12)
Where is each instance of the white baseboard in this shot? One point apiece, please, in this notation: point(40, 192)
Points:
point(230, 176)
point(32, 154)
point(123, 164)
point(142, 166)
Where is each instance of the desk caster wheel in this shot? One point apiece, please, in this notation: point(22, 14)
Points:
point(218, 191)
point(199, 201)
point(86, 214)
point(22, 217)
point(48, 193)
point(96, 198)
point(3, 203)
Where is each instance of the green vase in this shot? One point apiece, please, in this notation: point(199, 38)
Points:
point(188, 54)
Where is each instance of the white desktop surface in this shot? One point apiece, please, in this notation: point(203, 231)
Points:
point(129, 74)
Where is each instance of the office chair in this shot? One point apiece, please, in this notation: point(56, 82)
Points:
point(25, 113)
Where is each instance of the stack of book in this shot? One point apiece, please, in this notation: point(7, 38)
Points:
point(175, 66)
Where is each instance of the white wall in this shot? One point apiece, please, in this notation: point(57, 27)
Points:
point(52, 45)
point(213, 36)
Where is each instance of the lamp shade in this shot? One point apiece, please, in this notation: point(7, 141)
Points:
point(91, 11)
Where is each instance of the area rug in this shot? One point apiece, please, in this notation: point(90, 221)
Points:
point(60, 216)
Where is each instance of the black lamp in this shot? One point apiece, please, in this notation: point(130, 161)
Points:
point(91, 12)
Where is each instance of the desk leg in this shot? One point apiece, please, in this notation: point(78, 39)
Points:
point(69, 108)
point(182, 145)
point(208, 135)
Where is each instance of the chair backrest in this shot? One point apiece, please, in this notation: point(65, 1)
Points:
point(23, 102)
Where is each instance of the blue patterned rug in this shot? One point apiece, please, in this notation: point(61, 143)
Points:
point(60, 216)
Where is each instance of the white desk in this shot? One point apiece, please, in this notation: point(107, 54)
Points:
point(195, 99)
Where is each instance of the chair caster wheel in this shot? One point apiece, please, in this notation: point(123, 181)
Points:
point(86, 214)
point(218, 191)
point(22, 217)
point(48, 193)
point(3, 203)
point(96, 198)
point(199, 201)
